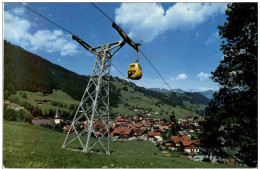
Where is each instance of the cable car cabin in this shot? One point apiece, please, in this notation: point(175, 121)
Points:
point(134, 71)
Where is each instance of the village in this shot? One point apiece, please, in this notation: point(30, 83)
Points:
point(132, 127)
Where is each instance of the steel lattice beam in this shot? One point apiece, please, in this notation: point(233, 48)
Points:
point(98, 83)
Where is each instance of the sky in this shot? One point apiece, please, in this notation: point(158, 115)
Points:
point(180, 39)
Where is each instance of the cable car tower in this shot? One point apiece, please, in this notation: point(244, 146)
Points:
point(92, 115)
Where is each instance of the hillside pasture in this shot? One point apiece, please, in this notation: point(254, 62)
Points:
point(28, 146)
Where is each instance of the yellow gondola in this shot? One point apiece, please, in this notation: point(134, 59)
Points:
point(134, 71)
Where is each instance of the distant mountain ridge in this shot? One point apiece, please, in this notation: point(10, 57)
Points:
point(206, 93)
point(166, 90)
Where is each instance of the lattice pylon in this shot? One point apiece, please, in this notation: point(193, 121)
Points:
point(95, 117)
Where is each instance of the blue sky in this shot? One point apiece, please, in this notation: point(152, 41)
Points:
point(180, 39)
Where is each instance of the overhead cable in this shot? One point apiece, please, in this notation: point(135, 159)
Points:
point(144, 56)
point(63, 27)
point(46, 18)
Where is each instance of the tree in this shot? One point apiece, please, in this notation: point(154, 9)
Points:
point(231, 117)
point(175, 127)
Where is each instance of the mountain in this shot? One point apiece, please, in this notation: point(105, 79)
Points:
point(24, 71)
point(208, 94)
point(166, 90)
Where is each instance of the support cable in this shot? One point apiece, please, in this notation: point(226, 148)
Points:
point(111, 21)
point(120, 72)
point(145, 58)
point(102, 12)
point(65, 29)
point(46, 18)
point(162, 78)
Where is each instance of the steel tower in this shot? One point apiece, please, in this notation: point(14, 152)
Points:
point(92, 115)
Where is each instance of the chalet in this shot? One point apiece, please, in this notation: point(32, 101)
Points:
point(138, 125)
point(185, 142)
point(137, 131)
point(176, 140)
point(169, 143)
point(98, 133)
point(162, 130)
point(129, 125)
point(155, 128)
point(192, 127)
point(66, 129)
point(120, 123)
point(189, 145)
point(151, 135)
point(118, 117)
point(159, 139)
point(100, 127)
point(165, 127)
point(182, 133)
point(191, 149)
point(156, 121)
point(123, 132)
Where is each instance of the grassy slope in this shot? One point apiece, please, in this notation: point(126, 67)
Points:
point(134, 98)
point(26, 146)
point(131, 97)
point(57, 95)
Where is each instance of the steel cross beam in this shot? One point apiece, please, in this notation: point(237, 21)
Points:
point(93, 120)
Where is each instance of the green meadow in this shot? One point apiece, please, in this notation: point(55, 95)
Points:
point(28, 146)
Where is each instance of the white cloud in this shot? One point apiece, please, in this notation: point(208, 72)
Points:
point(203, 76)
point(17, 31)
point(205, 88)
point(145, 21)
point(18, 11)
point(182, 77)
point(213, 38)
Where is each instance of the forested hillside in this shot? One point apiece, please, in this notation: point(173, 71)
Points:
point(29, 72)
point(24, 71)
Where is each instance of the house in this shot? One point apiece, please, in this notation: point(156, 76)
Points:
point(155, 128)
point(159, 139)
point(123, 132)
point(169, 143)
point(162, 130)
point(100, 126)
point(151, 135)
point(182, 133)
point(165, 127)
point(66, 129)
point(138, 125)
point(192, 148)
point(192, 127)
point(176, 140)
point(188, 145)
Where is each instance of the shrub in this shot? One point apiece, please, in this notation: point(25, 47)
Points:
point(6, 94)
point(14, 99)
point(54, 103)
point(24, 95)
point(21, 115)
point(9, 114)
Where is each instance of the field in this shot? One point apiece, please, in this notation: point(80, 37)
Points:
point(127, 99)
point(27, 146)
point(57, 96)
point(138, 99)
